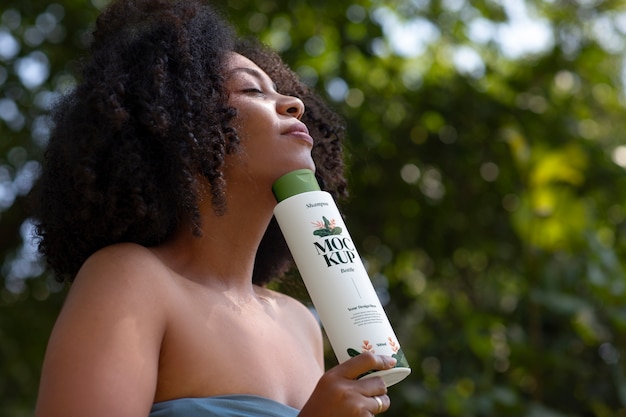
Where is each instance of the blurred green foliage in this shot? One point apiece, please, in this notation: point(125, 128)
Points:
point(487, 146)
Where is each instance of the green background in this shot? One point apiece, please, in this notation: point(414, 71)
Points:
point(487, 177)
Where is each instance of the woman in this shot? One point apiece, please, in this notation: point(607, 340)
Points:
point(155, 201)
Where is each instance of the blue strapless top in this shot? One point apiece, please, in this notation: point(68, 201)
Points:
point(223, 406)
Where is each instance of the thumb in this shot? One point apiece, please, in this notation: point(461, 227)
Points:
point(364, 362)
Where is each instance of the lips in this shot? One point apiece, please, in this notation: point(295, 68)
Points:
point(299, 130)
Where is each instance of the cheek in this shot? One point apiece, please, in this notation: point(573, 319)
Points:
point(246, 121)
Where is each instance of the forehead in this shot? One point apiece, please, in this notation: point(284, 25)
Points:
point(238, 64)
point(234, 60)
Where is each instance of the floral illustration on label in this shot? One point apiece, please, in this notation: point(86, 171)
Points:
point(367, 346)
point(326, 227)
point(394, 345)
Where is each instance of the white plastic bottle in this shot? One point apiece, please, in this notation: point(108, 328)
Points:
point(334, 274)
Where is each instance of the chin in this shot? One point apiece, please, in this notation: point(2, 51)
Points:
point(291, 168)
point(310, 166)
point(296, 164)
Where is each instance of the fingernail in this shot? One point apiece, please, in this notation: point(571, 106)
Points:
point(392, 362)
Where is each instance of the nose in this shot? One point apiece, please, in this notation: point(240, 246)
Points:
point(292, 106)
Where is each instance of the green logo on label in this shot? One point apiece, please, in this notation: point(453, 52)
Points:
point(326, 228)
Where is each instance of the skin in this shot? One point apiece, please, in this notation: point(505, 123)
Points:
point(143, 325)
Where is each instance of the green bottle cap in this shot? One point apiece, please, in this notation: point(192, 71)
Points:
point(295, 182)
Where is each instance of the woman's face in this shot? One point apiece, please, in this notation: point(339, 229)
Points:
point(274, 140)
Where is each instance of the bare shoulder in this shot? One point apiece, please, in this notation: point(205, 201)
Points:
point(120, 259)
point(127, 270)
point(120, 272)
point(104, 348)
point(122, 276)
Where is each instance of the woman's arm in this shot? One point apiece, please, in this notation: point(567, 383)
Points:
point(102, 357)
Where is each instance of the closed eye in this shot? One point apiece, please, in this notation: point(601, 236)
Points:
point(253, 91)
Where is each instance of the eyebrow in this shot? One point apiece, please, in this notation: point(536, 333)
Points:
point(255, 73)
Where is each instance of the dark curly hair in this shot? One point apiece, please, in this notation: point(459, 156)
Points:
point(148, 116)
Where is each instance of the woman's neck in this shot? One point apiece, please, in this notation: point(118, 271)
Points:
point(224, 254)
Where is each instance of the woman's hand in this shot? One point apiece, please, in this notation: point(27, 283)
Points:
point(339, 394)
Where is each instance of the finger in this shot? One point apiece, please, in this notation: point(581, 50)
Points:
point(382, 403)
point(366, 361)
point(372, 386)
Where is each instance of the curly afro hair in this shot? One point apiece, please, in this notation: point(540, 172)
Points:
point(148, 116)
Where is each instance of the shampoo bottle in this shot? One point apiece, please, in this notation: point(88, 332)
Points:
point(334, 274)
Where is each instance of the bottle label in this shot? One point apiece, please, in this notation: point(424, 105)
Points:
point(335, 277)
